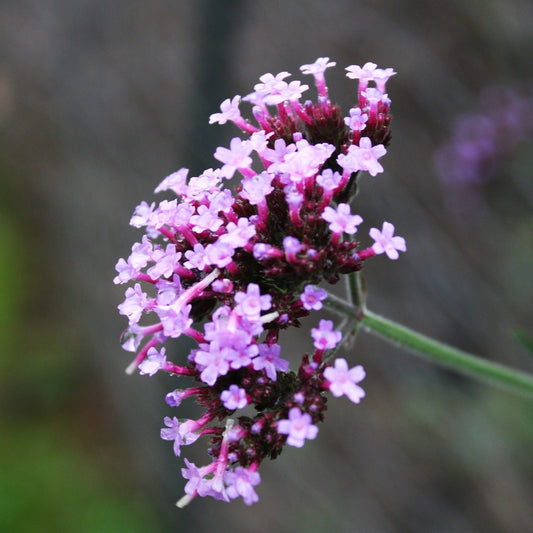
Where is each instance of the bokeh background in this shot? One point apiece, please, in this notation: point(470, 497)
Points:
point(99, 100)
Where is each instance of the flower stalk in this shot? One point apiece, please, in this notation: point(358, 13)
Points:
point(477, 367)
point(516, 381)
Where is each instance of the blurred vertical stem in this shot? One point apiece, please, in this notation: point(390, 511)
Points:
point(423, 346)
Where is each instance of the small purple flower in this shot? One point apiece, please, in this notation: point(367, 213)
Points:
point(318, 67)
point(141, 253)
point(357, 119)
point(174, 398)
point(154, 361)
point(366, 72)
point(256, 188)
point(196, 258)
point(196, 476)
point(205, 220)
point(142, 215)
point(298, 427)
point(175, 182)
point(363, 157)
point(329, 180)
point(213, 363)
point(325, 337)
point(175, 320)
point(242, 358)
point(172, 432)
point(165, 262)
point(134, 305)
point(270, 361)
point(222, 285)
point(241, 482)
point(343, 380)
point(291, 245)
point(238, 234)
point(251, 303)
point(234, 158)
point(341, 220)
point(229, 111)
point(219, 254)
point(386, 242)
point(312, 297)
point(234, 398)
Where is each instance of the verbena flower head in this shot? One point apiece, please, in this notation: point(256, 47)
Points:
point(232, 269)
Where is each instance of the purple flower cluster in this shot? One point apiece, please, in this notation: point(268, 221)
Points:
point(232, 269)
point(481, 140)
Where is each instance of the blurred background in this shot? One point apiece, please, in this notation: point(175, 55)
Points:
point(100, 100)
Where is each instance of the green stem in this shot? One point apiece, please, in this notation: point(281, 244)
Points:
point(495, 373)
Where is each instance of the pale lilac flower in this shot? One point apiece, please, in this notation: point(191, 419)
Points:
point(196, 258)
point(234, 398)
point(135, 303)
point(306, 161)
point(182, 215)
point(219, 254)
point(229, 111)
point(258, 141)
point(174, 320)
point(291, 91)
point(366, 72)
point(174, 398)
point(256, 188)
point(241, 358)
point(270, 361)
point(126, 271)
point(293, 197)
point(312, 297)
point(264, 251)
point(227, 330)
point(279, 152)
point(298, 427)
point(165, 262)
point(324, 336)
point(343, 380)
point(172, 432)
point(381, 77)
point(251, 303)
point(234, 158)
point(142, 215)
point(154, 361)
point(168, 291)
point(341, 220)
point(329, 180)
point(205, 220)
point(357, 119)
point(238, 234)
point(270, 83)
point(213, 362)
point(141, 253)
point(386, 242)
point(177, 182)
point(208, 182)
point(241, 482)
point(363, 157)
point(374, 96)
point(318, 67)
point(197, 483)
point(271, 88)
point(291, 245)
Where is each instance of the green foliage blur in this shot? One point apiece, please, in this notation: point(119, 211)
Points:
point(58, 459)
